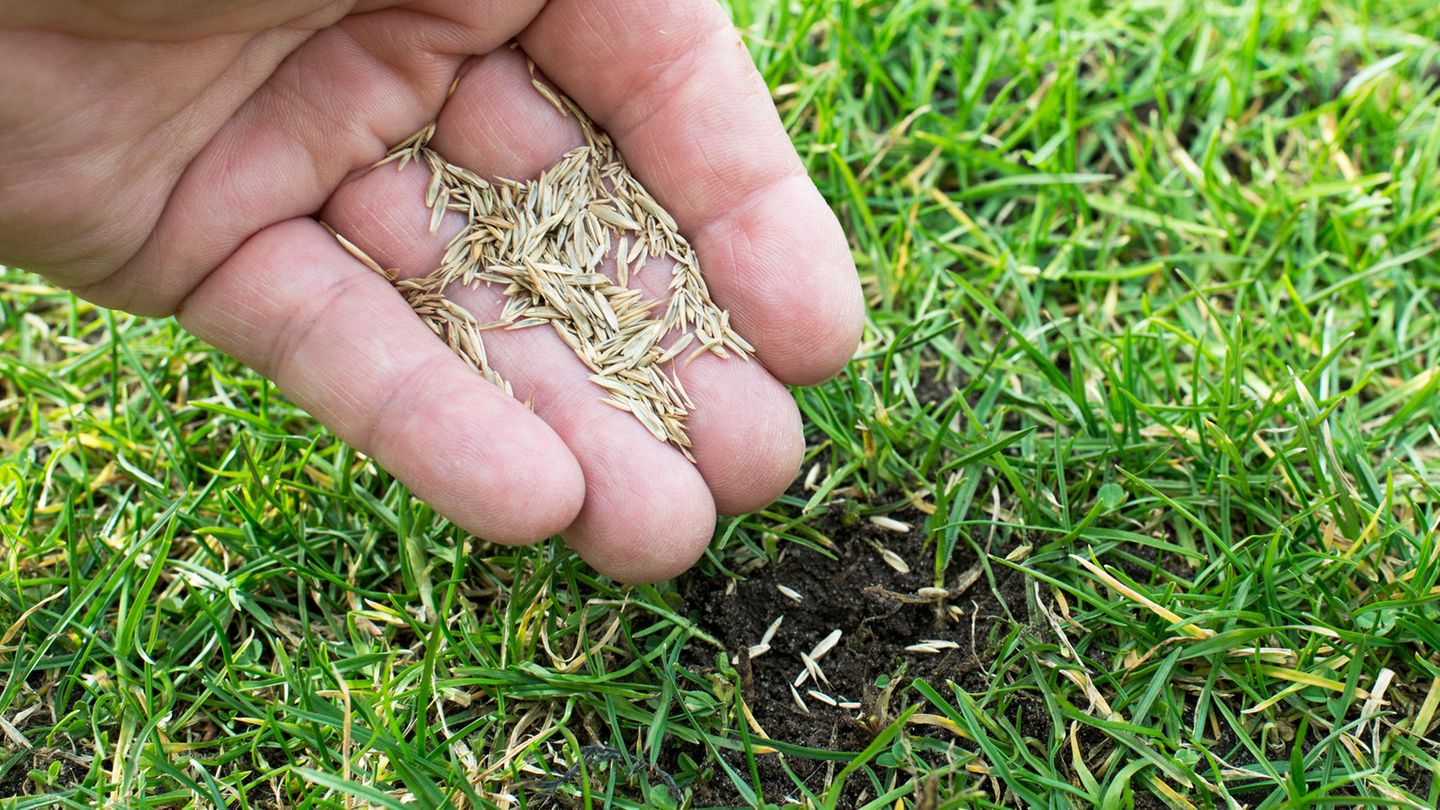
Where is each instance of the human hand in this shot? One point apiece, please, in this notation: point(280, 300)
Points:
point(173, 157)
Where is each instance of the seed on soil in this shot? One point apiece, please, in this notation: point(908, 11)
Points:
point(849, 704)
point(935, 594)
point(890, 524)
point(812, 477)
point(545, 241)
point(798, 702)
point(968, 579)
point(826, 644)
point(771, 631)
point(1020, 553)
point(757, 650)
point(822, 697)
point(932, 646)
point(811, 670)
point(894, 560)
point(790, 593)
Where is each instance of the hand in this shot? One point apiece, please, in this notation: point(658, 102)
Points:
point(173, 157)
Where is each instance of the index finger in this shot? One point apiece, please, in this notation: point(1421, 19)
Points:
point(672, 82)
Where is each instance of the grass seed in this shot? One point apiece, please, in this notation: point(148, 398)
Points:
point(545, 240)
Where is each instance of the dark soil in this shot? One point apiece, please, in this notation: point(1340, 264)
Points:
point(16, 780)
point(875, 608)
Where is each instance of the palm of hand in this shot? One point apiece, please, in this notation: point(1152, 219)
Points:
point(186, 176)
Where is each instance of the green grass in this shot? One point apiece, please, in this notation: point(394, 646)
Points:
point(1156, 300)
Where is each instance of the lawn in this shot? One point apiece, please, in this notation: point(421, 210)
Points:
point(1129, 498)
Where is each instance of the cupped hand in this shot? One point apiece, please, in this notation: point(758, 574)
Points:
point(174, 157)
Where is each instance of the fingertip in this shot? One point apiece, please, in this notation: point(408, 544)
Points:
point(656, 553)
point(543, 489)
point(479, 456)
point(659, 530)
point(748, 435)
point(822, 339)
point(765, 465)
point(784, 269)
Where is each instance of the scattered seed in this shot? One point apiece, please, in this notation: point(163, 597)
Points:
point(821, 696)
point(849, 704)
point(932, 646)
point(932, 593)
point(968, 579)
point(798, 702)
point(890, 524)
point(894, 560)
point(757, 650)
point(826, 644)
point(813, 669)
point(812, 477)
point(771, 631)
point(790, 593)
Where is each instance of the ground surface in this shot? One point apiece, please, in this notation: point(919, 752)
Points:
point(1150, 373)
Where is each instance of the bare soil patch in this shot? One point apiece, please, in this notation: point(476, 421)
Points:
point(882, 613)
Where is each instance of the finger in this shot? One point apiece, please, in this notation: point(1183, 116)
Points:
point(746, 429)
point(672, 82)
point(346, 347)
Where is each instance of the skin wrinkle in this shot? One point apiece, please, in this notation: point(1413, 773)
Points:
point(314, 137)
point(296, 329)
point(432, 44)
point(364, 146)
point(387, 409)
point(534, 132)
point(693, 194)
point(656, 517)
point(153, 29)
point(662, 87)
point(265, 66)
point(426, 79)
point(731, 219)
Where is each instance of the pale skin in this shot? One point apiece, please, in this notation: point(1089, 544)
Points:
point(176, 157)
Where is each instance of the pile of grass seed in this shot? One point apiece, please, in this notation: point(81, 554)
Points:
point(545, 242)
